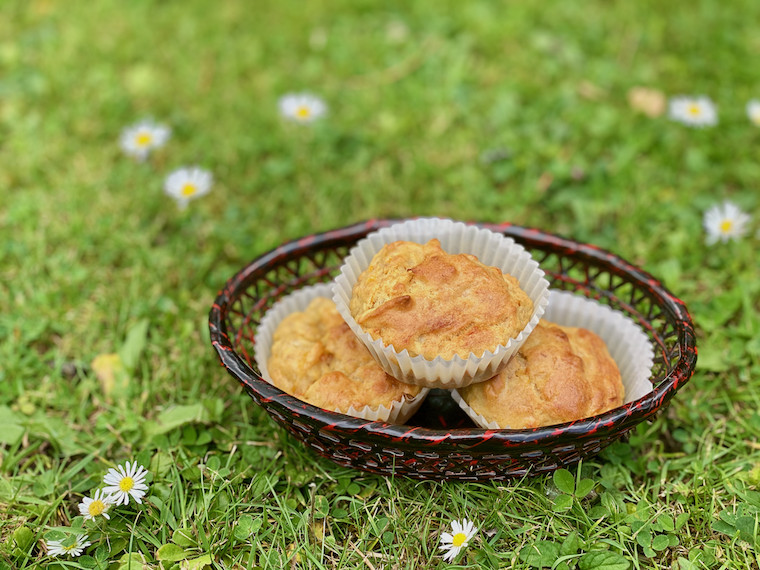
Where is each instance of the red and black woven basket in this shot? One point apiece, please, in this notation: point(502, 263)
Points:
point(439, 442)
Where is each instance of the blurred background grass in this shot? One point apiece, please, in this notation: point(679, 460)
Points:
point(489, 111)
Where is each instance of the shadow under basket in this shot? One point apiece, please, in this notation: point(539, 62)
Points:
point(439, 442)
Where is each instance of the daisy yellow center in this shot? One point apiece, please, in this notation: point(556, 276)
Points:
point(96, 508)
point(459, 539)
point(70, 547)
point(143, 139)
point(756, 117)
point(726, 225)
point(188, 190)
point(126, 484)
point(303, 112)
point(695, 110)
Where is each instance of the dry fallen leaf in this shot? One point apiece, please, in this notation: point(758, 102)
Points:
point(544, 182)
point(590, 91)
point(651, 102)
point(110, 372)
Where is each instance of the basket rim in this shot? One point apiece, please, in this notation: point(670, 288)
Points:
point(620, 418)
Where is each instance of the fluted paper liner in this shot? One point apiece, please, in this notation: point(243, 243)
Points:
point(490, 248)
point(628, 345)
point(398, 412)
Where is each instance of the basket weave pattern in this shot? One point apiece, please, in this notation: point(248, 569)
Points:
point(466, 454)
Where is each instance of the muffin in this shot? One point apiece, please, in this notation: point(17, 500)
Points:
point(436, 308)
point(625, 340)
point(314, 356)
point(559, 374)
point(419, 298)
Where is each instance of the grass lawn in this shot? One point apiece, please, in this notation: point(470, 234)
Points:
point(477, 110)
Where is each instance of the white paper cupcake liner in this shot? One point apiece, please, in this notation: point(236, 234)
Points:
point(628, 345)
point(491, 249)
point(397, 413)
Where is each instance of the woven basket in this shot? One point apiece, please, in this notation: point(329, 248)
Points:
point(435, 445)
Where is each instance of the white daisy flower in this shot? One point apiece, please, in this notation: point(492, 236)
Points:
point(139, 139)
point(455, 541)
point(302, 107)
point(697, 111)
point(96, 506)
point(725, 222)
point(753, 111)
point(126, 481)
point(57, 548)
point(186, 184)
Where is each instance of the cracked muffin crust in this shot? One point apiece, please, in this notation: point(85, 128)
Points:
point(419, 298)
point(559, 374)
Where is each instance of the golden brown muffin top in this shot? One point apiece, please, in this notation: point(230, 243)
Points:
point(558, 375)
point(420, 298)
point(316, 357)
